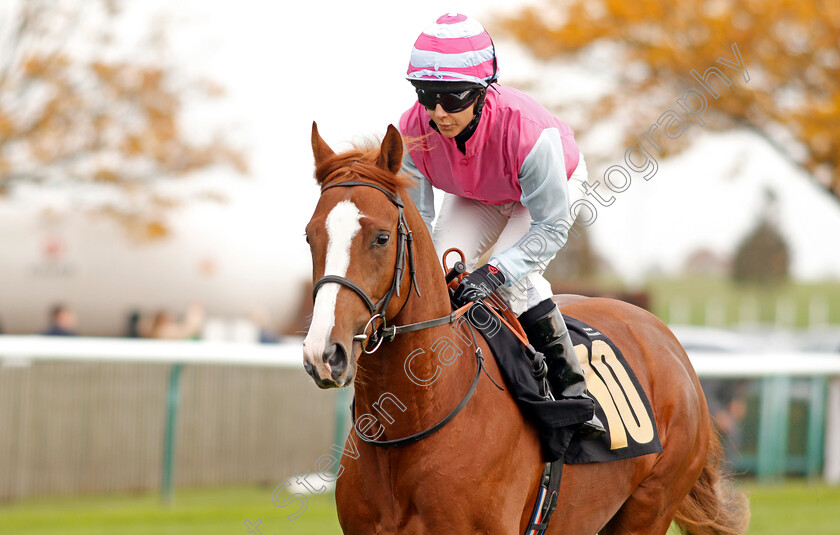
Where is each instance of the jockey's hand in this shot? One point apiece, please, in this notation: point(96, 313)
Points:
point(478, 285)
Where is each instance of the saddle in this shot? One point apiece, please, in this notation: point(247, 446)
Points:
point(620, 401)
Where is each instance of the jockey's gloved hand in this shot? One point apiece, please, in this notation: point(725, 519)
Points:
point(478, 285)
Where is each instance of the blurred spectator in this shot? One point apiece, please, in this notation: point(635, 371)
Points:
point(268, 337)
point(260, 318)
point(135, 325)
point(728, 407)
point(62, 322)
point(165, 325)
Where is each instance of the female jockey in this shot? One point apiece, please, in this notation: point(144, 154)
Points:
point(509, 170)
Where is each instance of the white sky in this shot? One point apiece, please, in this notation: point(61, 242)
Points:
point(286, 65)
point(342, 64)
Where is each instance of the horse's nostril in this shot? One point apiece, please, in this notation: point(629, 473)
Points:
point(328, 353)
point(308, 366)
point(337, 360)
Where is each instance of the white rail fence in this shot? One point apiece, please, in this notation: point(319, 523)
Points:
point(776, 372)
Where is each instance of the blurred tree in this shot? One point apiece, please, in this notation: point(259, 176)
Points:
point(790, 50)
point(577, 260)
point(763, 256)
point(78, 112)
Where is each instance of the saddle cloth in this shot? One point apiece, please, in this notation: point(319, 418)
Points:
point(620, 402)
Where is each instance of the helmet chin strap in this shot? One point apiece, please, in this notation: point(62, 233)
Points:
point(464, 136)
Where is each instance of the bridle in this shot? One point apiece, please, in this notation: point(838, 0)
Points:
point(405, 246)
point(377, 310)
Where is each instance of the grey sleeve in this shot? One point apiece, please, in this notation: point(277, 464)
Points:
point(545, 193)
point(422, 194)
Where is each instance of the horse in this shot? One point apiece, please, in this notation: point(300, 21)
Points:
point(380, 323)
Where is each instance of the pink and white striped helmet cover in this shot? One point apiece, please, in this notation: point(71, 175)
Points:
point(455, 48)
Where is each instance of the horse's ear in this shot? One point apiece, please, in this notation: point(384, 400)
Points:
point(320, 148)
point(390, 154)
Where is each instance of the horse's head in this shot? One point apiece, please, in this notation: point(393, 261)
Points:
point(358, 245)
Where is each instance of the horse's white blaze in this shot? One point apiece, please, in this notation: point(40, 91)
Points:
point(342, 226)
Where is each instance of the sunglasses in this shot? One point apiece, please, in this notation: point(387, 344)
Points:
point(451, 102)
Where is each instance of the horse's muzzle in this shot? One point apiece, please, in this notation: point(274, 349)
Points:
point(335, 357)
point(336, 363)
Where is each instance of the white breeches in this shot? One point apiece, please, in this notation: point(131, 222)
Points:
point(477, 228)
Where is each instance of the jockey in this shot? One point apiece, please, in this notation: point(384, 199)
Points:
point(509, 170)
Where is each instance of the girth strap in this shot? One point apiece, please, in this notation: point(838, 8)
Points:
point(546, 498)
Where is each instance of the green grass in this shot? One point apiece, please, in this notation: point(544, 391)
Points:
point(794, 509)
point(695, 298)
point(200, 512)
point(790, 508)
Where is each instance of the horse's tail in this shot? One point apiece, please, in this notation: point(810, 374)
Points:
point(713, 506)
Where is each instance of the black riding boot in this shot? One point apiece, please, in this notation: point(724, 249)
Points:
point(547, 332)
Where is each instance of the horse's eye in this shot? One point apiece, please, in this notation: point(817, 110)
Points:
point(381, 240)
point(306, 237)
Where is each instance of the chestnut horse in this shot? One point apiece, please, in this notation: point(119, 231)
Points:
point(479, 472)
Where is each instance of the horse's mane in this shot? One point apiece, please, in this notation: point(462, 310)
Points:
point(359, 163)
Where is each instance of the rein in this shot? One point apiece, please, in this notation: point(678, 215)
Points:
point(417, 437)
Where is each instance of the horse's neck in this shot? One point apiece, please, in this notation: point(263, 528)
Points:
point(417, 368)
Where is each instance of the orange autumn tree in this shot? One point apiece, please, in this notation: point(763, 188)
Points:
point(659, 48)
point(80, 112)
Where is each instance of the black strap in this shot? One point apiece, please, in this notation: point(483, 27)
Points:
point(412, 272)
point(349, 284)
point(394, 330)
point(553, 489)
point(391, 197)
point(396, 282)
